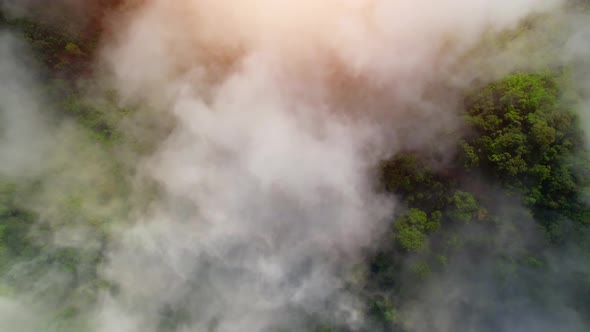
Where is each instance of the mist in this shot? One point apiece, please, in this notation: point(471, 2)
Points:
point(241, 194)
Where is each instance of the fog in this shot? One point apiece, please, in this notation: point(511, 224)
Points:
point(254, 207)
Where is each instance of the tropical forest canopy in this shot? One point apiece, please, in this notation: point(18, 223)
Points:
point(491, 233)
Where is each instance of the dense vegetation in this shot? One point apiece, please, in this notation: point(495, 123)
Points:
point(521, 172)
point(63, 60)
point(527, 145)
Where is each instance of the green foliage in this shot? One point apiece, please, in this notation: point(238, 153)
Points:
point(527, 137)
point(413, 180)
point(15, 224)
point(421, 270)
point(510, 118)
point(412, 228)
point(58, 50)
point(101, 117)
point(463, 207)
point(525, 141)
point(383, 310)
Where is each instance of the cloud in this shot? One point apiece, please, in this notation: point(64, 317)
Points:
point(267, 200)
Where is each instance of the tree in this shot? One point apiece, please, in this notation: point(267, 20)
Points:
point(413, 227)
point(527, 136)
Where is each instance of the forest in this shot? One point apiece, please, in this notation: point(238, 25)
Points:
point(479, 226)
